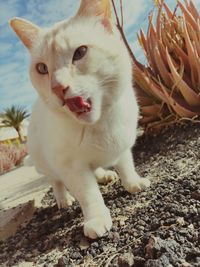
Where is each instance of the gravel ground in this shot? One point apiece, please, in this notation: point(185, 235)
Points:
point(159, 227)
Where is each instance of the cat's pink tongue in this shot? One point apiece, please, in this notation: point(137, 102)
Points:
point(78, 104)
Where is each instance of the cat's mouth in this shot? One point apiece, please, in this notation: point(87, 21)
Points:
point(78, 105)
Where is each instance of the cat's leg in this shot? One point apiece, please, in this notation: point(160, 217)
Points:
point(84, 187)
point(105, 176)
point(62, 196)
point(131, 181)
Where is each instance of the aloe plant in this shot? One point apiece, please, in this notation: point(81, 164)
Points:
point(168, 87)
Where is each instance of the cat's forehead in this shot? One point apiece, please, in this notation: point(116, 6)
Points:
point(55, 36)
point(72, 33)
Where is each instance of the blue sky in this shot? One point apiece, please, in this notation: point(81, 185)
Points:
point(15, 87)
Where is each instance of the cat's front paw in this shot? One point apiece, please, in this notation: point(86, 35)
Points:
point(98, 226)
point(105, 176)
point(136, 184)
point(65, 201)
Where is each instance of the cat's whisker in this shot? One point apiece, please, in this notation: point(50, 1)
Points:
point(108, 80)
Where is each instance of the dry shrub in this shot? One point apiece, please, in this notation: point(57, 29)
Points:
point(11, 156)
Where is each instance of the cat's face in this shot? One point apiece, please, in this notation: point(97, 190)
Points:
point(76, 65)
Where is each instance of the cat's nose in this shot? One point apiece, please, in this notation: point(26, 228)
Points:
point(61, 91)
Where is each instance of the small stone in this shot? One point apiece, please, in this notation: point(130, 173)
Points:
point(105, 249)
point(185, 264)
point(95, 245)
point(76, 256)
point(116, 237)
point(84, 244)
point(196, 195)
point(180, 221)
point(141, 228)
point(27, 264)
point(121, 223)
point(191, 226)
point(135, 234)
point(141, 222)
point(198, 259)
point(62, 262)
point(126, 260)
point(93, 252)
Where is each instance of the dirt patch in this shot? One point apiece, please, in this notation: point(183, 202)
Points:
point(155, 228)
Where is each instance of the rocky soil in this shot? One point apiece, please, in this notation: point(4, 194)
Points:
point(159, 227)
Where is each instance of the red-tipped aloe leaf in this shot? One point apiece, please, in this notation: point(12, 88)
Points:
point(148, 119)
point(191, 55)
point(143, 41)
point(188, 16)
point(165, 40)
point(181, 54)
point(194, 37)
point(191, 7)
point(168, 11)
point(178, 106)
point(164, 73)
point(151, 110)
point(189, 95)
point(151, 45)
point(158, 21)
point(149, 85)
point(198, 28)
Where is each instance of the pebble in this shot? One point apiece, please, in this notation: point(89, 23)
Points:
point(126, 260)
point(63, 262)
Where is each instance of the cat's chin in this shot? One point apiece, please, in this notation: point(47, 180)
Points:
point(84, 117)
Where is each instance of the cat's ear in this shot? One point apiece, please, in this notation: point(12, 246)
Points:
point(102, 8)
point(25, 30)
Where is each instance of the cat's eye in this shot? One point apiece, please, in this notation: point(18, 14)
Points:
point(42, 68)
point(80, 53)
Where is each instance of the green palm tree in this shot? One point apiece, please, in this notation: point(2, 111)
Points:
point(13, 117)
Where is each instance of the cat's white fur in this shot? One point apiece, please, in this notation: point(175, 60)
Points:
point(68, 149)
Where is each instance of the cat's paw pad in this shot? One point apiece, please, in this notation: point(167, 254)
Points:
point(65, 201)
point(98, 226)
point(136, 185)
point(105, 176)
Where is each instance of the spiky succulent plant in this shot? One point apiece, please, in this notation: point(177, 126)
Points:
point(168, 86)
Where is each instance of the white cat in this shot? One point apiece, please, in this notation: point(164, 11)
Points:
point(86, 115)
